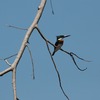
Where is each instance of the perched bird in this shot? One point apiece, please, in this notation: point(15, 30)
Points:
point(59, 43)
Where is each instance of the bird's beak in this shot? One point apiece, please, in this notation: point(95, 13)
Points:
point(66, 36)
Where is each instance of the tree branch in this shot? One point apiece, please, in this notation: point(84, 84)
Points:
point(5, 71)
point(7, 62)
point(33, 26)
point(47, 41)
point(10, 56)
point(60, 84)
point(31, 60)
point(71, 55)
point(14, 83)
point(51, 7)
point(17, 27)
point(23, 46)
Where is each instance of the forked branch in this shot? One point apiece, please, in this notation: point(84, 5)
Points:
point(33, 26)
point(69, 53)
point(47, 41)
point(23, 46)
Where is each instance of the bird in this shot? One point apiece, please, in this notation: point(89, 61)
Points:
point(59, 43)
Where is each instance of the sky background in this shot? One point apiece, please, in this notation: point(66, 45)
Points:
point(80, 19)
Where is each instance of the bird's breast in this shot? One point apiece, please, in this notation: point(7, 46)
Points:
point(60, 41)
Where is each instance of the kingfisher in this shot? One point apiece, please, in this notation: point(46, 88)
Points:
point(59, 43)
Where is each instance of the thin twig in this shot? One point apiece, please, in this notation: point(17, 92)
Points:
point(51, 7)
point(79, 57)
point(60, 84)
point(71, 55)
point(40, 33)
point(12, 26)
point(10, 56)
point(76, 63)
point(43, 36)
point(7, 62)
point(31, 60)
point(6, 59)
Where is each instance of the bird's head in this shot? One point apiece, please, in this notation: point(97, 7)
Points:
point(60, 37)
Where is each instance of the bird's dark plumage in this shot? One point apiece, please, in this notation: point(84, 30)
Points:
point(59, 43)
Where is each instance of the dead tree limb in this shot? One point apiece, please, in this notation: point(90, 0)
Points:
point(47, 41)
point(23, 46)
point(71, 54)
point(13, 66)
point(31, 61)
point(12, 26)
point(60, 83)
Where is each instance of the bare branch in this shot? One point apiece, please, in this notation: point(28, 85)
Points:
point(10, 56)
point(60, 84)
point(43, 36)
point(6, 59)
point(40, 33)
point(79, 57)
point(47, 41)
point(6, 71)
point(76, 63)
point(23, 46)
point(17, 27)
point(7, 62)
point(14, 83)
point(33, 26)
point(51, 7)
point(71, 55)
point(31, 60)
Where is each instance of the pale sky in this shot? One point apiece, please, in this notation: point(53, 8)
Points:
point(80, 19)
